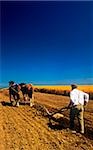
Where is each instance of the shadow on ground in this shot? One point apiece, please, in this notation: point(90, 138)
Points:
point(6, 103)
point(65, 125)
point(89, 132)
point(10, 103)
point(58, 125)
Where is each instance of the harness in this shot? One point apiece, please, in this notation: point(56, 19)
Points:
point(13, 89)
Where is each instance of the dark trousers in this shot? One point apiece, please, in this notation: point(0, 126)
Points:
point(77, 111)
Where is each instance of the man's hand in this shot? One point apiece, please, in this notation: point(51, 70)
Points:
point(85, 103)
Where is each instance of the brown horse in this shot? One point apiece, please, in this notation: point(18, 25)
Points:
point(27, 92)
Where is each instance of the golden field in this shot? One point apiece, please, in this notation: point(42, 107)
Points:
point(63, 89)
point(85, 88)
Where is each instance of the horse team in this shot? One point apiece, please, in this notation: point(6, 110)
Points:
point(14, 93)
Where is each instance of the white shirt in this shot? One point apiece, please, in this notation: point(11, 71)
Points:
point(78, 97)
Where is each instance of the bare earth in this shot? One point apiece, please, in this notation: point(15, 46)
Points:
point(26, 128)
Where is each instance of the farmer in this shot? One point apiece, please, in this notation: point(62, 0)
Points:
point(14, 91)
point(77, 101)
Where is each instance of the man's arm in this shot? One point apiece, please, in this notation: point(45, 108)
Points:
point(86, 98)
point(70, 104)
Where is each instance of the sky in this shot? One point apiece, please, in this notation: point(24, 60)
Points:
point(46, 42)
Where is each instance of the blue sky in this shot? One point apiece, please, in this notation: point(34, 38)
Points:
point(47, 42)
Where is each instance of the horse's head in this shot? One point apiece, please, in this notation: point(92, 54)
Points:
point(11, 83)
point(29, 86)
point(22, 86)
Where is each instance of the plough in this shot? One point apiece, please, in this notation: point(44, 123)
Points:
point(56, 116)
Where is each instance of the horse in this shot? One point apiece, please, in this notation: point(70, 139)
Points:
point(27, 92)
point(14, 92)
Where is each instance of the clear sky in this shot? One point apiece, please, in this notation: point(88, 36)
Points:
point(47, 42)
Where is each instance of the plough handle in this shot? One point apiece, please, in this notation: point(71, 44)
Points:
point(60, 110)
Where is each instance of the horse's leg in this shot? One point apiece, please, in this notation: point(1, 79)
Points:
point(10, 97)
point(32, 101)
point(24, 97)
point(17, 100)
point(17, 104)
point(14, 100)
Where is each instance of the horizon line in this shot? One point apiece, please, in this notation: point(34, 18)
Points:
point(41, 84)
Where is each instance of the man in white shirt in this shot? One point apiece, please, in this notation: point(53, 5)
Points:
point(77, 101)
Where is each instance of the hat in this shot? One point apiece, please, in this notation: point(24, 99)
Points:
point(73, 86)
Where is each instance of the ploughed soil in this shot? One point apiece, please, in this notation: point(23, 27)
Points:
point(26, 128)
